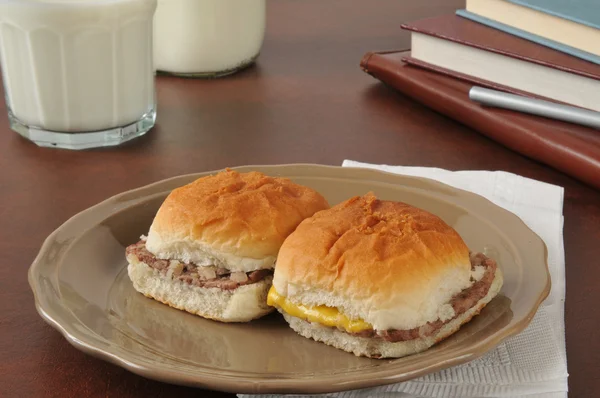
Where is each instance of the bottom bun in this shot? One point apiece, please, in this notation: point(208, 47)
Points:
point(242, 304)
point(379, 348)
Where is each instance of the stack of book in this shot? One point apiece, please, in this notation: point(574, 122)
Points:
point(548, 49)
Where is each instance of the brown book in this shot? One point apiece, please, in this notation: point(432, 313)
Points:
point(469, 50)
point(573, 149)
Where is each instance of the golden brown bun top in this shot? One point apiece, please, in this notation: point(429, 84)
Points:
point(376, 260)
point(237, 217)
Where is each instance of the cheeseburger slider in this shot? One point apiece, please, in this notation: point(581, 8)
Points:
point(379, 279)
point(212, 246)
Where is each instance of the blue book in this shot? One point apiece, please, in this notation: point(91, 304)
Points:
point(585, 12)
point(535, 38)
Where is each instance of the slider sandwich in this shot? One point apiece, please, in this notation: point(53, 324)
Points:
point(212, 246)
point(379, 279)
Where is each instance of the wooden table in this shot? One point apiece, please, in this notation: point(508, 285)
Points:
point(305, 101)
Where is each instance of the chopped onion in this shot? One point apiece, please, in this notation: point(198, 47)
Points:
point(175, 269)
point(478, 272)
point(207, 272)
point(425, 330)
point(239, 277)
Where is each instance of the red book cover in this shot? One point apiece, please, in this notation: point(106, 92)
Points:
point(571, 148)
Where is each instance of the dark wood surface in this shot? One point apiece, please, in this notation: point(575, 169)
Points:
point(305, 101)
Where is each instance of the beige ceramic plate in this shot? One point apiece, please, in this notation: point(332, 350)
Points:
point(81, 288)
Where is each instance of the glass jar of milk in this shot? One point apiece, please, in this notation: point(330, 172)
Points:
point(78, 73)
point(207, 38)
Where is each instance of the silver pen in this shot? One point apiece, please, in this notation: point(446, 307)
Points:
point(534, 106)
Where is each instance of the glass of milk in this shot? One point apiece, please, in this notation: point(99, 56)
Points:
point(78, 73)
point(207, 38)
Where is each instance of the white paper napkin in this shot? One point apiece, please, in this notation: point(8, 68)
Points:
point(532, 364)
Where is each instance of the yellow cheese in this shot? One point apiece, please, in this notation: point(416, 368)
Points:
point(324, 315)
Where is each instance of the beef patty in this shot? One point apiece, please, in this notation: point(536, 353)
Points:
point(197, 275)
point(461, 303)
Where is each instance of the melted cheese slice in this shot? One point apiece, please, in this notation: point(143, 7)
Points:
point(321, 314)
